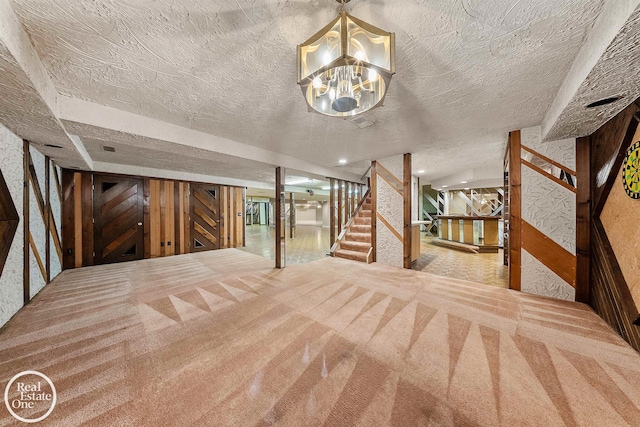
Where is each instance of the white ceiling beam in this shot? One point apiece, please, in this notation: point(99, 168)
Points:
point(607, 27)
point(38, 120)
point(85, 112)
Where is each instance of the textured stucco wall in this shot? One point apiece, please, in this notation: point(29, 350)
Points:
point(551, 209)
point(56, 210)
point(540, 280)
point(562, 151)
point(11, 162)
point(390, 205)
point(37, 226)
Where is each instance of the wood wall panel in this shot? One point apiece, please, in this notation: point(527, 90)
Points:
point(583, 219)
point(68, 220)
point(166, 217)
point(607, 152)
point(515, 210)
point(9, 220)
point(608, 292)
point(610, 296)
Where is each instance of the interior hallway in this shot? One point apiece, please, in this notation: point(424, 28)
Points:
point(221, 338)
point(310, 243)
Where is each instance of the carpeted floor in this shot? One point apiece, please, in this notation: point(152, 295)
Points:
point(221, 339)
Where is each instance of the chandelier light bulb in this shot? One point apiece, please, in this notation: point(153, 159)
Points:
point(332, 94)
point(373, 75)
point(359, 55)
point(326, 59)
point(317, 83)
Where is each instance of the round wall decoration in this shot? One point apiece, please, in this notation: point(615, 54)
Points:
point(631, 171)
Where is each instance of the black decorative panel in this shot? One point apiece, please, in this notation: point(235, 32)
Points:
point(8, 221)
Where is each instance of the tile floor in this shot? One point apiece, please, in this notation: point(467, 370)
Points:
point(312, 243)
point(457, 264)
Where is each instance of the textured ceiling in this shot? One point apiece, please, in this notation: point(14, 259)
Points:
point(615, 75)
point(23, 111)
point(145, 152)
point(468, 71)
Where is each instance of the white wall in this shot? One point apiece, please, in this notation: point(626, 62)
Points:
point(390, 205)
point(307, 215)
point(551, 209)
point(11, 165)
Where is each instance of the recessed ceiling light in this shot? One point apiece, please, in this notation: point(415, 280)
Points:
point(604, 101)
point(444, 186)
point(326, 187)
point(466, 188)
point(342, 161)
point(463, 182)
point(421, 171)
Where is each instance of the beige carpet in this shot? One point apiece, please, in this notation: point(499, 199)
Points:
point(221, 339)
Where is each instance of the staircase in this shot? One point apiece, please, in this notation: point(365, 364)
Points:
point(354, 242)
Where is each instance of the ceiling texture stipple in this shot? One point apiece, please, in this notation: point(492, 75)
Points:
point(468, 71)
point(615, 74)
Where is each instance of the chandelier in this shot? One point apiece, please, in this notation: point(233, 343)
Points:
point(345, 69)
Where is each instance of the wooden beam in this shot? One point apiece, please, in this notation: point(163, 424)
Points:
point(583, 219)
point(549, 176)
point(87, 220)
point(292, 216)
point(406, 195)
point(515, 210)
point(608, 149)
point(549, 253)
point(340, 205)
point(26, 279)
point(332, 216)
point(77, 225)
point(68, 220)
point(374, 210)
point(47, 192)
point(280, 219)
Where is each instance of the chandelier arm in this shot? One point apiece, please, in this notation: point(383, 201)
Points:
point(370, 90)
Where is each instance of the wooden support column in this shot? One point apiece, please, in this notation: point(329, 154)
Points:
point(583, 218)
point(292, 216)
point(352, 200)
point(406, 194)
point(26, 279)
point(332, 216)
point(340, 205)
point(47, 195)
point(280, 219)
point(515, 210)
point(374, 215)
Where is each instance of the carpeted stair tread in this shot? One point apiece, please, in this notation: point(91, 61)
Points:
point(360, 228)
point(358, 237)
point(352, 255)
point(355, 246)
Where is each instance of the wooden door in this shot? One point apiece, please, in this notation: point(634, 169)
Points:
point(205, 217)
point(118, 213)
